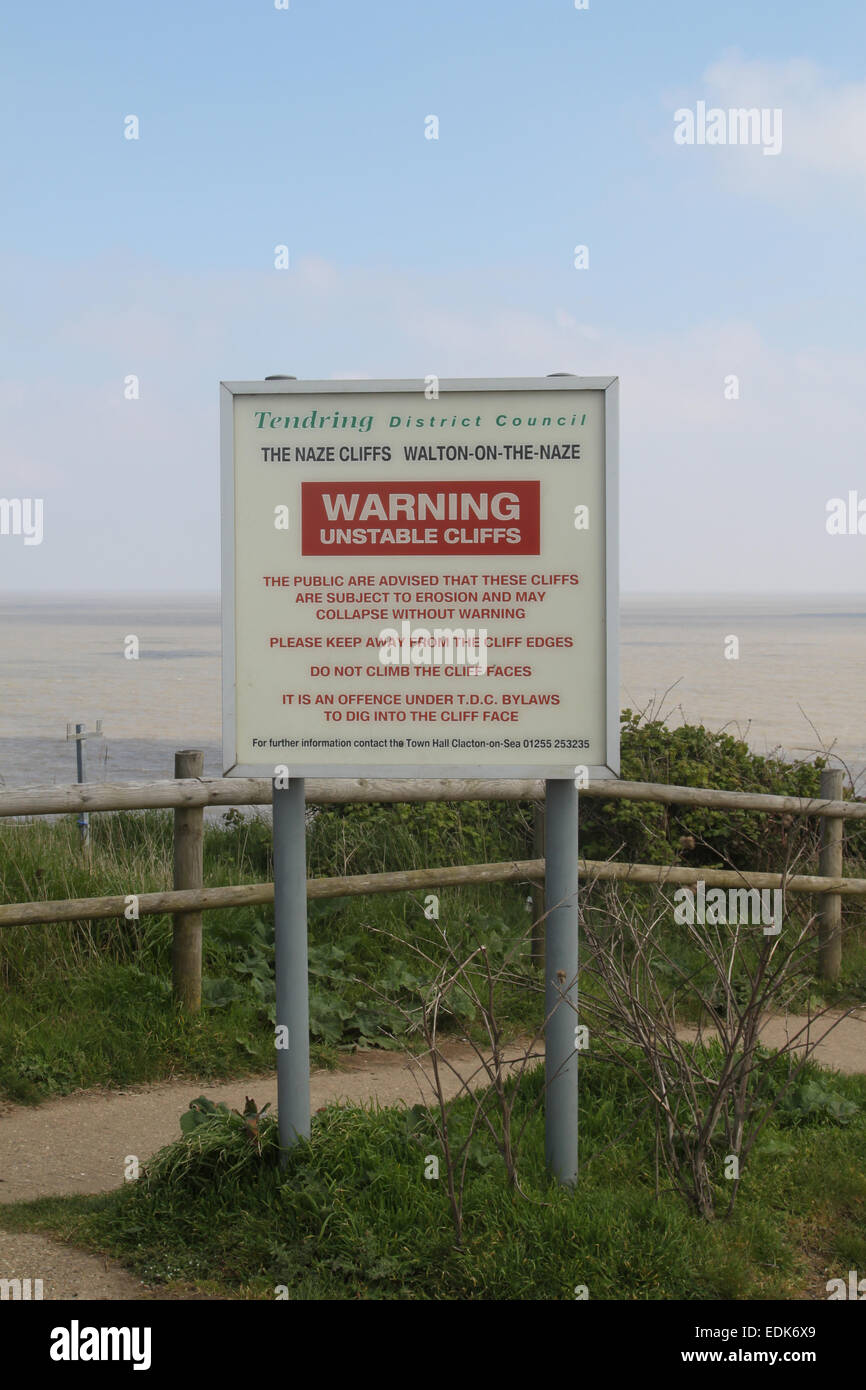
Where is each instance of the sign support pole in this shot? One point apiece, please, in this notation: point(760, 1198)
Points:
point(290, 964)
point(560, 1053)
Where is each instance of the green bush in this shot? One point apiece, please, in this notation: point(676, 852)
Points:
point(693, 756)
point(378, 838)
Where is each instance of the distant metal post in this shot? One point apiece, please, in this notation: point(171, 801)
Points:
point(290, 963)
point(830, 866)
point(80, 735)
point(186, 945)
point(560, 1053)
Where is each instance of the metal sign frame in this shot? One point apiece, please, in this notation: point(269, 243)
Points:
point(229, 390)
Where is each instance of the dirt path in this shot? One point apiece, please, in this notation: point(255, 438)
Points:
point(844, 1049)
point(82, 1143)
point(65, 1272)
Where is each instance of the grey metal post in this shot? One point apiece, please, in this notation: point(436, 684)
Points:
point(560, 1055)
point(79, 733)
point(290, 963)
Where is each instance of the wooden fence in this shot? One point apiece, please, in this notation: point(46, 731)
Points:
point(188, 796)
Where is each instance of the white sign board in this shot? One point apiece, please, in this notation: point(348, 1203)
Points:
point(420, 579)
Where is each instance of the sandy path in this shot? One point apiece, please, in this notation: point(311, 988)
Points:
point(80, 1143)
point(844, 1049)
point(66, 1273)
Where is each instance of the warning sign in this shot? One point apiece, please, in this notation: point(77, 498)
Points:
point(462, 518)
point(416, 586)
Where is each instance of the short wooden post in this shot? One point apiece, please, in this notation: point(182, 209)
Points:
point(188, 873)
point(830, 866)
point(537, 943)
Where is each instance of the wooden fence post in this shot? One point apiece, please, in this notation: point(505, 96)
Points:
point(537, 942)
point(830, 866)
point(188, 873)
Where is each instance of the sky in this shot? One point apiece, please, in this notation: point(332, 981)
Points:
point(725, 286)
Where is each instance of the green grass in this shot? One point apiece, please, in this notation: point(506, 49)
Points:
point(353, 1216)
point(89, 1004)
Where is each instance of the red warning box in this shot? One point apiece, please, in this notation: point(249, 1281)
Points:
point(450, 518)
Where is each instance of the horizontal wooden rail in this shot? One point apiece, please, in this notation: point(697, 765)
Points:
point(254, 791)
point(526, 870)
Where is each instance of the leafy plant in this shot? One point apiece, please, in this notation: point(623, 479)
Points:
point(814, 1102)
point(200, 1112)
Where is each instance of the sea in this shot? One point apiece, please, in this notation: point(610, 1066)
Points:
point(785, 673)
